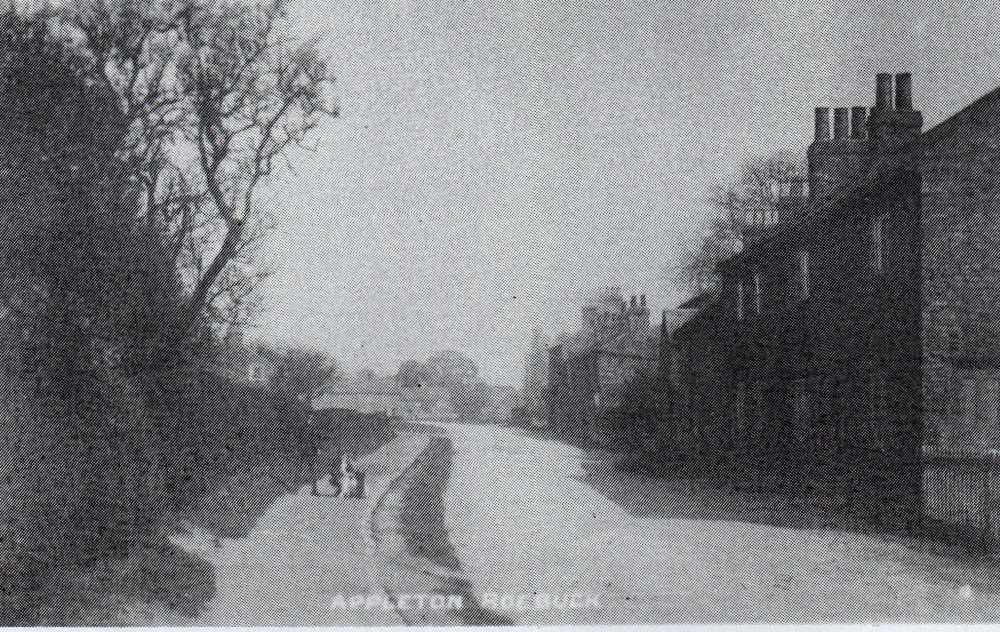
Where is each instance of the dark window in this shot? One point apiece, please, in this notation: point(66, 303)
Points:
point(739, 300)
point(801, 408)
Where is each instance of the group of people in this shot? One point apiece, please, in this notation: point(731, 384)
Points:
point(347, 481)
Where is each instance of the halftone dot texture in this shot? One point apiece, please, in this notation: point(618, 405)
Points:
point(495, 165)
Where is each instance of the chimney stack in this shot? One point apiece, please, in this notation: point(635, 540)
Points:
point(858, 133)
point(837, 161)
point(642, 301)
point(633, 302)
point(822, 124)
point(895, 125)
point(904, 91)
point(840, 123)
point(859, 122)
point(883, 91)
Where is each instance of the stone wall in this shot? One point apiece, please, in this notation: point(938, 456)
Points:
point(960, 171)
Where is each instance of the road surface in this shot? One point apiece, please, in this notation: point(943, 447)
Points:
point(529, 515)
point(303, 553)
point(528, 530)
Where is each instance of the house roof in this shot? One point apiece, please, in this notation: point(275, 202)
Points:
point(698, 301)
point(674, 319)
point(989, 101)
point(697, 316)
point(884, 168)
point(626, 344)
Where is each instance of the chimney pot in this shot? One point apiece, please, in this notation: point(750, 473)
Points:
point(822, 124)
point(642, 300)
point(904, 91)
point(859, 122)
point(633, 302)
point(883, 91)
point(840, 123)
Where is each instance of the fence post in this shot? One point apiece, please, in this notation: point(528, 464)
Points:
point(985, 539)
point(987, 507)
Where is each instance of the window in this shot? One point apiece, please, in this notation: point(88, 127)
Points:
point(804, 275)
point(878, 260)
point(976, 413)
point(989, 404)
point(756, 293)
point(979, 400)
point(739, 299)
point(871, 430)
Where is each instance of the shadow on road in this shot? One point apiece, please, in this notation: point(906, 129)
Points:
point(664, 498)
point(420, 521)
point(646, 496)
point(232, 510)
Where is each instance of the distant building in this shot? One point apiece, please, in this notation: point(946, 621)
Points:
point(364, 394)
point(500, 404)
point(246, 361)
point(536, 377)
point(369, 393)
point(591, 370)
point(670, 369)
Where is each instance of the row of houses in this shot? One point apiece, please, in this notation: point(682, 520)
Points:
point(854, 341)
point(595, 373)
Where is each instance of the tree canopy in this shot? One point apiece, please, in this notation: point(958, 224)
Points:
point(749, 196)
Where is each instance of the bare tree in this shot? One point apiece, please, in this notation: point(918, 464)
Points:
point(214, 94)
point(748, 198)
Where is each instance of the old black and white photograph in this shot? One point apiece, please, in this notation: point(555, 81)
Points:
point(333, 314)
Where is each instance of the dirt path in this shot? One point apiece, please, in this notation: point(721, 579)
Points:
point(302, 553)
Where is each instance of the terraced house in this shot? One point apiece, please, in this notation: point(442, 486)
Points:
point(859, 336)
point(601, 376)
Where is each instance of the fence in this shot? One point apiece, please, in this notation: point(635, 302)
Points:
point(960, 496)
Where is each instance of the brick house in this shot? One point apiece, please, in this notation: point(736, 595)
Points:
point(593, 371)
point(862, 332)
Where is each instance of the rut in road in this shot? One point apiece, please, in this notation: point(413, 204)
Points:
point(414, 506)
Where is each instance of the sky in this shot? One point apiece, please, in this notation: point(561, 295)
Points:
point(496, 162)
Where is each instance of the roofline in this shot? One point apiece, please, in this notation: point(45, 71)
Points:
point(941, 127)
point(887, 165)
point(880, 167)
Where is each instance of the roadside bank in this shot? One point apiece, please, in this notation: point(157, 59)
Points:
point(178, 578)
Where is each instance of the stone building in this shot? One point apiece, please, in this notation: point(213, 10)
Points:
point(592, 371)
point(862, 333)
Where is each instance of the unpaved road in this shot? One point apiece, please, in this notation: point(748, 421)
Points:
point(531, 515)
point(504, 520)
